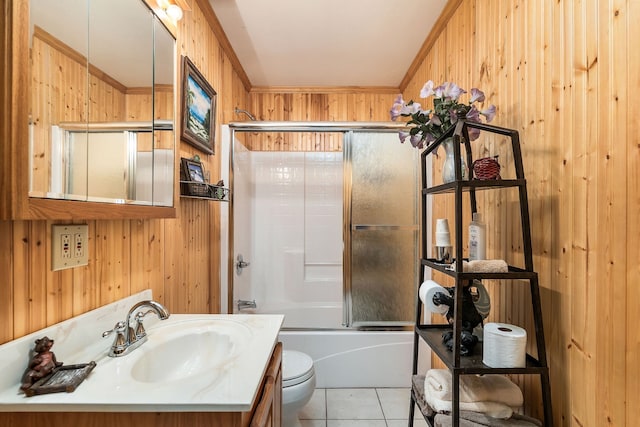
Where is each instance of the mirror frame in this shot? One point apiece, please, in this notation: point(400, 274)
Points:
point(15, 202)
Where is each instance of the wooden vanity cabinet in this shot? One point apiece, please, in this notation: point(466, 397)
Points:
point(265, 411)
point(269, 407)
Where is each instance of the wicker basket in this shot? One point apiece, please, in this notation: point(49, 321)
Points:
point(486, 168)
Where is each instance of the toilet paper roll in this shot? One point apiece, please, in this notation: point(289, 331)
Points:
point(504, 346)
point(426, 292)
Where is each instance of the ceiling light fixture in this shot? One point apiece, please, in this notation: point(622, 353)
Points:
point(172, 10)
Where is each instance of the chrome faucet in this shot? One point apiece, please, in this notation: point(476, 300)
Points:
point(128, 337)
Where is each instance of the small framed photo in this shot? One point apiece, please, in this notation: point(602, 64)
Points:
point(192, 171)
point(192, 179)
point(198, 108)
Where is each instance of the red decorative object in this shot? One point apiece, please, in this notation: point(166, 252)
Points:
point(486, 168)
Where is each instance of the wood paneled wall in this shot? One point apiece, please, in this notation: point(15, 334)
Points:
point(177, 258)
point(314, 104)
point(563, 74)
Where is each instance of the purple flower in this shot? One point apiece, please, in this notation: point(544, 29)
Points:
point(476, 95)
point(473, 114)
point(403, 135)
point(416, 140)
point(427, 90)
point(473, 133)
point(489, 113)
point(428, 125)
point(453, 91)
point(411, 108)
point(428, 138)
point(396, 108)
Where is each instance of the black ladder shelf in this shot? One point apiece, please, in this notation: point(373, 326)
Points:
point(432, 334)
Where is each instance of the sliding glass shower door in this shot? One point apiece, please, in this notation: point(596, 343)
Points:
point(381, 229)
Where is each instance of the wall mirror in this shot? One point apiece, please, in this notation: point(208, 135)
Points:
point(101, 107)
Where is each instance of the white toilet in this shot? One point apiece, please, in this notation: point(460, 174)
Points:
point(298, 384)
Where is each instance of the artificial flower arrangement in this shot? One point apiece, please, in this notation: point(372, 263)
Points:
point(426, 126)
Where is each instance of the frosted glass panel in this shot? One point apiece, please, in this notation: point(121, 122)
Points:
point(384, 173)
point(383, 275)
point(384, 229)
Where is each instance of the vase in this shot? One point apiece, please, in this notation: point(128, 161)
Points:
point(448, 168)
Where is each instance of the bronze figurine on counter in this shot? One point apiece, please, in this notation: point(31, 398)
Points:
point(42, 363)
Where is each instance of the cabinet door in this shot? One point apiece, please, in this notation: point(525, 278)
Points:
point(269, 409)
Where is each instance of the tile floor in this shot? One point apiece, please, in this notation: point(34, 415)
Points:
point(359, 407)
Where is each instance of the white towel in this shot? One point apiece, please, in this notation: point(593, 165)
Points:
point(494, 395)
point(483, 266)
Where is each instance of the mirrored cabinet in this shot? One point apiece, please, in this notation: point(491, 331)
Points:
point(93, 129)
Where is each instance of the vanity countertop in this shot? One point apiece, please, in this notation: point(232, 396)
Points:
point(133, 384)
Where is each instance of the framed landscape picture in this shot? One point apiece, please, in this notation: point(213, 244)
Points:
point(198, 108)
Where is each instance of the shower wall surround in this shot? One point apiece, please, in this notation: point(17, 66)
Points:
point(294, 233)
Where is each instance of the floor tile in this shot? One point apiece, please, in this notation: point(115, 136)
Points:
point(356, 423)
point(395, 402)
point(403, 423)
point(353, 404)
point(316, 409)
point(314, 423)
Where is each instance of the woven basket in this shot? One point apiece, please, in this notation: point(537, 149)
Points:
point(486, 168)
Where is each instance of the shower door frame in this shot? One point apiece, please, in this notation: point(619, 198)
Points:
point(347, 129)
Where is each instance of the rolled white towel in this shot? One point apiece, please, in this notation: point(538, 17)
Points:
point(494, 395)
point(494, 388)
point(474, 388)
point(483, 266)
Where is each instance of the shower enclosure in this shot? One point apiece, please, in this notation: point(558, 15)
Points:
point(323, 228)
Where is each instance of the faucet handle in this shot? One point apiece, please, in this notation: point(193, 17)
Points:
point(139, 317)
point(118, 328)
point(120, 343)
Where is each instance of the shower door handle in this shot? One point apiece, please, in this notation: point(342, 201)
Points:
point(240, 264)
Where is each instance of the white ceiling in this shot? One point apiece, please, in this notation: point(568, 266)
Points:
point(327, 42)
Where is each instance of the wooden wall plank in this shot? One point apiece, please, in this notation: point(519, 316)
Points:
point(147, 261)
point(632, 368)
point(583, 305)
point(86, 294)
point(613, 216)
point(6, 288)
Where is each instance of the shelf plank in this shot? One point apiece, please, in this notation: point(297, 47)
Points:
point(515, 273)
point(213, 199)
point(432, 335)
point(414, 394)
point(211, 189)
point(474, 184)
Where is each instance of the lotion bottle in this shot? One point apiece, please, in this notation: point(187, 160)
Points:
point(477, 238)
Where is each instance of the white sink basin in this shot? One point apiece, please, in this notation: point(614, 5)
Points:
point(190, 348)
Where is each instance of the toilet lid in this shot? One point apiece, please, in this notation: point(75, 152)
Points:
point(297, 367)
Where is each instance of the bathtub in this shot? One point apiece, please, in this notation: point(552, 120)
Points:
point(345, 357)
point(352, 359)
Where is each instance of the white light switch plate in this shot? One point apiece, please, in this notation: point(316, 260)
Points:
point(69, 246)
